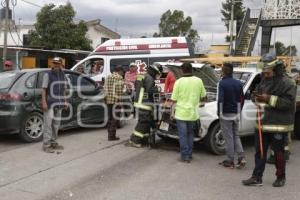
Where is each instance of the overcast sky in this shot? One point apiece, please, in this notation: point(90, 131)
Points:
point(136, 18)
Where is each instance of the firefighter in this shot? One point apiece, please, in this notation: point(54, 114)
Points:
point(288, 139)
point(275, 96)
point(144, 102)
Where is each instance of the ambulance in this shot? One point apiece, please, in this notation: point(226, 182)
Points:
point(141, 51)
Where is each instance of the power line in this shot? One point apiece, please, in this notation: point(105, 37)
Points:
point(14, 4)
point(33, 4)
point(36, 5)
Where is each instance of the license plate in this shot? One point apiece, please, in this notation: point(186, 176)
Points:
point(164, 126)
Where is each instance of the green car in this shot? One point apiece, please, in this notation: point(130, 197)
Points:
point(20, 103)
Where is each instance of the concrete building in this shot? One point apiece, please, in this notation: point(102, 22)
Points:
point(99, 33)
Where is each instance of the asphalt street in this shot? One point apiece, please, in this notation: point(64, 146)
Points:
point(91, 168)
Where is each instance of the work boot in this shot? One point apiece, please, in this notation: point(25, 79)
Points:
point(227, 164)
point(48, 149)
point(57, 146)
point(241, 163)
point(253, 181)
point(113, 138)
point(279, 182)
point(133, 144)
point(186, 160)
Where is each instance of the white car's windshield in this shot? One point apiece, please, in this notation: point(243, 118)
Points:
point(242, 76)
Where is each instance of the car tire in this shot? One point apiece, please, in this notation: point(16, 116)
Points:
point(297, 126)
point(32, 128)
point(214, 140)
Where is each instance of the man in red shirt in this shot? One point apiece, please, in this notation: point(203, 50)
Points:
point(169, 83)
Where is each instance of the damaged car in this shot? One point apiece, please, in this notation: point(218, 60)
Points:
point(208, 130)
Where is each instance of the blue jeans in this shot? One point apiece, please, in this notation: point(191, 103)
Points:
point(186, 130)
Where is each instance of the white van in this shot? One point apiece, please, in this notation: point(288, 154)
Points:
point(141, 51)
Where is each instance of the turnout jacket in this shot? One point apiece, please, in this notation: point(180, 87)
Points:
point(278, 114)
point(146, 92)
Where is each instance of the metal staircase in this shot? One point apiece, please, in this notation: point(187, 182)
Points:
point(246, 38)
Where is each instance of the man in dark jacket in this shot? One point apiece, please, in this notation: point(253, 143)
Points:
point(276, 97)
point(230, 102)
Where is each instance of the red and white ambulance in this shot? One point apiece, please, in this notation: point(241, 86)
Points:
point(142, 51)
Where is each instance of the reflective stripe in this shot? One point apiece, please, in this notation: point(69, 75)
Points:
point(141, 95)
point(140, 77)
point(142, 106)
point(263, 105)
point(273, 63)
point(273, 100)
point(139, 134)
point(277, 128)
point(286, 148)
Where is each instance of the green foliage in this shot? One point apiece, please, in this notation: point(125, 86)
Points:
point(281, 50)
point(291, 51)
point(175, 24)
point(239, 13)
point(55, 29)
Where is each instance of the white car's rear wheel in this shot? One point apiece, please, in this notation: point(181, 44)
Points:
point(214, 140)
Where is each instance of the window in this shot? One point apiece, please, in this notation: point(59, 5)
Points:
point(242, 76)
point(252, 87)
point(80, 81)
point(104, 40)
point(26, 41)
point(7, 79)
point(40, 79)
point(125, 62)
point(30, 82)
point(91, 67)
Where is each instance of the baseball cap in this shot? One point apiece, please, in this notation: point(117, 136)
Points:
point(132, 64)
point(56, 60)
point(8, 62)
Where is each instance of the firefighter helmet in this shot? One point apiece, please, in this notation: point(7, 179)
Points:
point(270, 61)
point(157, 68)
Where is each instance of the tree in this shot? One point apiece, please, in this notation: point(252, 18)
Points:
point(291, 51)
point(175, 24)
point(281, 50)
point(55, 29)
point(239, 13)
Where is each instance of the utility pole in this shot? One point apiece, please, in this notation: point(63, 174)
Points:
point(231, 27)
point(233, 2)
point(5, 31)
point(291, 41)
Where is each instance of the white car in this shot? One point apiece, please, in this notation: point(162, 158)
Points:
point(209, 131)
